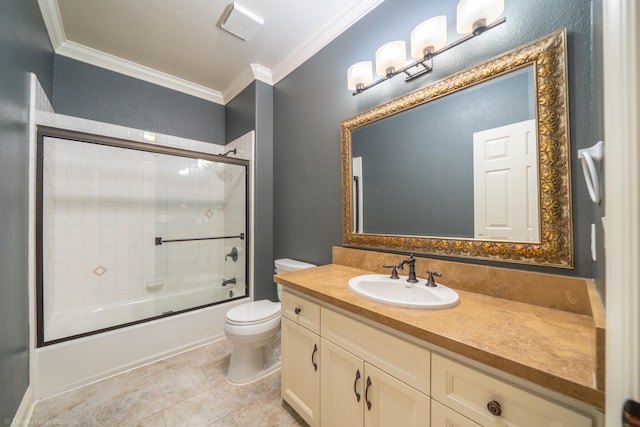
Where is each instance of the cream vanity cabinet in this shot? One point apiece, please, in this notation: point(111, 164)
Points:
point(370, 378)
point(339, 371)
point(355, 375)
point(300, 374)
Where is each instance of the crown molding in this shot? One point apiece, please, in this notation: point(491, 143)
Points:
point(251, 73)
point(348, 16)
point(343, 20)
point(53, 21)
point(110, 62)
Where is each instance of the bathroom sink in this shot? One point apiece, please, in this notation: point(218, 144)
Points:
point(400, 293)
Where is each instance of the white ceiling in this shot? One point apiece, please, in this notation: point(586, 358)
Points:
point(178, 44)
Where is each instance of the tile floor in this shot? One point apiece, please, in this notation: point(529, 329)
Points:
point(188, 389)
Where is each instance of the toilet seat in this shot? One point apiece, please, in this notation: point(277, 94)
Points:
point(252, 313)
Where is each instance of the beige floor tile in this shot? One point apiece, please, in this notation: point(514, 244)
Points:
point(155, 420)
point(189, 389)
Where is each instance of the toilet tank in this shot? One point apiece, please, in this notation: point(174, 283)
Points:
point(286, 264)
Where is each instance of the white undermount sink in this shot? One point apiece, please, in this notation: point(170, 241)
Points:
point(400, 293)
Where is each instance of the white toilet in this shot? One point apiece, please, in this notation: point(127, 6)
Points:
point(254, 330)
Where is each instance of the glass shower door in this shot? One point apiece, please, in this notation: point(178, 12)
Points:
point(201, 229)
point(130, 232)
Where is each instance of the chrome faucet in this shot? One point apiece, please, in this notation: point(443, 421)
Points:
point(412, 268)
point(231, 281)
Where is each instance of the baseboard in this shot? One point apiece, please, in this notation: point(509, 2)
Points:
point(25, 410)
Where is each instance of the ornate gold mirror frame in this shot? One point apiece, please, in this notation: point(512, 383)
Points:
point(548, 58)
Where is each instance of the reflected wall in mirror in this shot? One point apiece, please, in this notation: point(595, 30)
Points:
point(475, 165)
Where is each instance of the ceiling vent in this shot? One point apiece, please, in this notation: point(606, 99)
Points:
point(240, 22)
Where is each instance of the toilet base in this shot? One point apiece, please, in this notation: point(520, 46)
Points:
point(268, 369)
point(251, 362)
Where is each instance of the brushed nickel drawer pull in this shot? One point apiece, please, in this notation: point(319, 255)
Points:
point(494, 408)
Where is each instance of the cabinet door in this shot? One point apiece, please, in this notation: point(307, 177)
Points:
point(441, 416)
point(301, 371)
point(390, 402)
point(341, 385)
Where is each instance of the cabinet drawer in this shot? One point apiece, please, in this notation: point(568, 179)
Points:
point(301, 310)
point(404, 360)
point(469, 392)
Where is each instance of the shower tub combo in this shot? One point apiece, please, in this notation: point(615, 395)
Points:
point(139, 246)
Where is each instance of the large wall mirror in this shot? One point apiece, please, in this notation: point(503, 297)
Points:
point(475, 165)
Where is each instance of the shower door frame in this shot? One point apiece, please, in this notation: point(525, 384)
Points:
point(90, 138)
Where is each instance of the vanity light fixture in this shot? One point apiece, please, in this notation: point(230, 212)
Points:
point(390, 57)
point(428, 39)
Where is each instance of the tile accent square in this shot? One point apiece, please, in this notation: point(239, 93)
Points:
point(99, 271)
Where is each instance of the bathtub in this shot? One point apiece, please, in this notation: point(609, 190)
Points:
point(70, 364)
point(67, 324)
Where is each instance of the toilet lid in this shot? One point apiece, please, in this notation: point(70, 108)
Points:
point(253, 312)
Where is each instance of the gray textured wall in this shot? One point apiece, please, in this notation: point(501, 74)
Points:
point(313, 99)
point(240, 114)
point(252, 109)
point(24, 48)
point(83, 90)
point(411, 160)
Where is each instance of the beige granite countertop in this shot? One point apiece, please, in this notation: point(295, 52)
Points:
point(549, 347)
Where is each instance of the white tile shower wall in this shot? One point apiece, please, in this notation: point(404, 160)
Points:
point(120, 269)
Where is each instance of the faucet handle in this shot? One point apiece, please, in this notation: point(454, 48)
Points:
point(430, 281)
point(233, 254)
point(394, 271)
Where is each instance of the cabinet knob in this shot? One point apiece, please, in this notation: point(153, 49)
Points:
point(297, 310)
point(494, 408)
